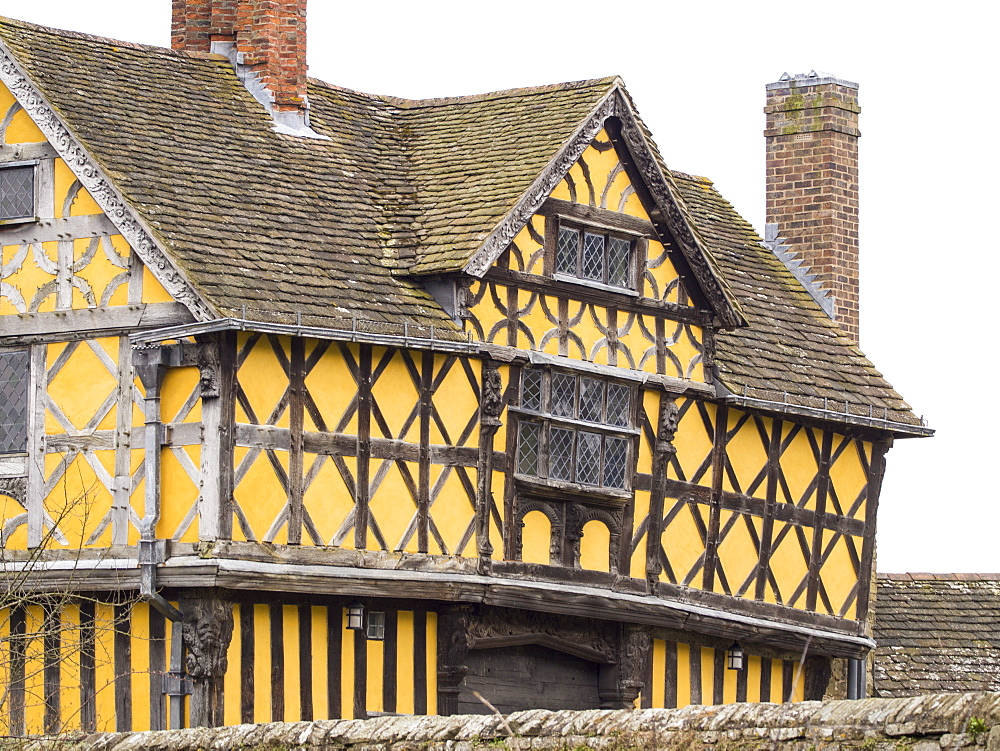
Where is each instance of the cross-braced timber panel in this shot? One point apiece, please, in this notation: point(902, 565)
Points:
point(694, 440)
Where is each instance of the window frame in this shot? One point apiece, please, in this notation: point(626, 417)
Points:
point(33, 215)
point(13, 462)
point(609, 234)
point(545, 417)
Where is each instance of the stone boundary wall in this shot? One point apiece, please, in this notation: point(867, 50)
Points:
point(923, 723)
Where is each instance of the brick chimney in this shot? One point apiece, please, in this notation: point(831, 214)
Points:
point(812, 187)
point(266, 42)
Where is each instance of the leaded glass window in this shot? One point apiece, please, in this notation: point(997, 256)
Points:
point(17, 192)
point(13, 402)
point(594, 255)
point(574, 428)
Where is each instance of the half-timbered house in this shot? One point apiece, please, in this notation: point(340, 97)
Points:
point(328, 404)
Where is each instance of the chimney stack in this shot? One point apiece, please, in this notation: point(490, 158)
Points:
point(266, 42)
point(812, 184)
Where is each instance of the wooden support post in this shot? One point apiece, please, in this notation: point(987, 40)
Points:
point(490, 407)
point(208, 630)
point(510, 522)
point(35, 489)
point(770, 506)
point(296, 417)
point(453, 651)
point(364, 446)
point(663, 452)
point(719, 462)
point(822, 489)
point(876, 471)
point(425, 410)
point(223, 443)
point(122, 491)
point(620, 683)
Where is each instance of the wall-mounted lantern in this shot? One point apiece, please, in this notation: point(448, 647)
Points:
point(734, 657)
point(356, 616)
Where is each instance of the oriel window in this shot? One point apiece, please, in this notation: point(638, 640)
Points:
point(13, 402)
point(575, 428)
point(17, 192)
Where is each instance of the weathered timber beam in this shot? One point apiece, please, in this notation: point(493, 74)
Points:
point(603, 218)
point(93, 321)
point(21, 152)
point(60, 228)
point(627, 303)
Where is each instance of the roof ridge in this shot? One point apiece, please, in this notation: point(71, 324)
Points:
point(609, 81)
point(16, 22)
point(927, 576)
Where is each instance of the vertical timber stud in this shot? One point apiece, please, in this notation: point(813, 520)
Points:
point(122, 488)
point(663, 451)
point(822, 489)
point(876, 471)
point(719, 462)
point(424, 452)
point(212, 410)
point(770, 507)
point(364, 446)
point(510, 536)
point(490, 406)
point(208, 629)
point(225, 444)
point(296, 417)
point(35, 492)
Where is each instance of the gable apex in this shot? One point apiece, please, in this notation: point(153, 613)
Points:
point(93, 179)
point(668, 211)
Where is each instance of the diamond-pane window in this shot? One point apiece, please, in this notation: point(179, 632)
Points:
point(563, 395)
point(17, 192)
point(591, 399)
point(588, 458)
point(528, 449)
point(619, 257)
point(531, 390)
point(567, 250)
point(615, 460)
point(13, 402)
point(619, 402)
point(593, 256)
point(561, 453)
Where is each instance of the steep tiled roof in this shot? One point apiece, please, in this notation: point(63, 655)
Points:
point(280, 227)
point(937, 632)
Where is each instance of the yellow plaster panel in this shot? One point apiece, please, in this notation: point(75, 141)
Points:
point(260, 495)
point(152, 290)
point(777, 682)
point(747, 454)
point(452, 512)
point(393, 506)
point(738, 555)
point(327, 498)
point(847, 476)
point(179, 493)
point(838, 574)
point(534, 319)
point(455, 403)
point(104, 668)
point(799, 467)
point(707, 674)
point(681, 539)
point(637, 563)
point(396, 396)
point(290, 642)
point(683, 675)
point(333, 389)
point(657, 698)
point(22, 129)
point(375, 675)
point(753, 668)
point(78, 500)
point(788, 563)
point(17, 537)
point(404, 661)
point(595, 546)
point(101, 277)
point(140, 641)
point(179, 385)
point(694, 442)
point(263, 379)
point(536, 538)
point(319, 654)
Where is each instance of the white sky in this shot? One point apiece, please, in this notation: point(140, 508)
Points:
point(929, 165)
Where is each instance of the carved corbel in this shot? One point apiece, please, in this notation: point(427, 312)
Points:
point(454, 642)
point(207, 628)
point(621, 683)
point(208, 368)
point(490, 407)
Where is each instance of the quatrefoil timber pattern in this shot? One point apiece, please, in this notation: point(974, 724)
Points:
point(506, 309)
point(376, 424)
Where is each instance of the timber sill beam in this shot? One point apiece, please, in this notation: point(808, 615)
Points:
point(93, 321)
